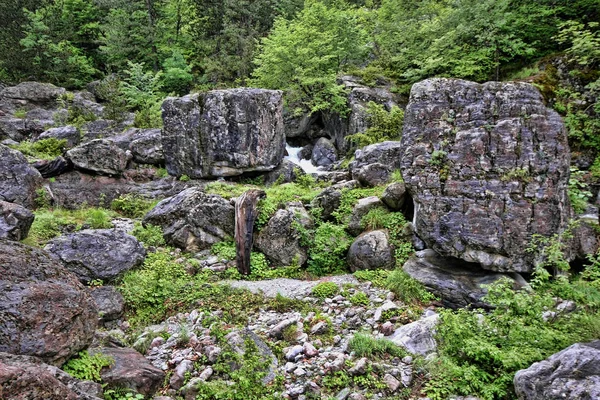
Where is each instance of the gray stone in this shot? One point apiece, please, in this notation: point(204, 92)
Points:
point(280, 239)
point(386, 306)
point(223, 132)
point(193, 220)
point(104, 254)
point(324, 153)
point(372, 174)
point(371, 250)
point(18, 180)
point(45, 311)
point(68, 133)
point(145, 145)
point(24, 377)
point(573, 373)
point(33, 92)
point(417, 337)
point(130, 370)
point(15, 221)
point(458, 284)
point(487, 167)
point(329, 199)
point(394, 196)
point(110, 302)
point(100, 156)
point(360, 368)
point(362, 208)
point(384, 153)
point(392, 383)
point(286, 172)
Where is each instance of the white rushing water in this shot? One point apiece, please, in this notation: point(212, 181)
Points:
point(306, 165)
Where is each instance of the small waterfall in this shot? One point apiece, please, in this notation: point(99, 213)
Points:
point(306, 165)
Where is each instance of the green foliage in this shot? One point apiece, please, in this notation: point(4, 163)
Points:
point(121, 394)
point(45, 149)
point(142, 90)
point(184, 178)
point(438, 158)
point(579, 193)
point(584, 44)
point(303, 56)
point(177, 77)
point(132, 205)
point(150, 235)
point(359, 299)
point(20, 113)
point(349, 199)
point(377, 277)
point(325, 289)
point(480, 352)
point(99, 219)
point(327, 255)
point(383, 125)
point(87, 367)
point(407, 289)
point(365, 345)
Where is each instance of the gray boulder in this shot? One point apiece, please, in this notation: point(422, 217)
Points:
point(110, 302)
point(384, 154)
point(130, 370)
point(45, 311)
point(223, 132)
point(372, 174)
point(488, 167)
point(286, 172)
point(35, 93)
point(362, 208)
point(330, 198)
point(324, 153)
point(68, 133)
point(573, 373)
point(25, 377)
point(371, 250)
point(193, 220)
point(145, 145)
point(93, 254)
point(457, 283)
point(417, 337)
point(280, 239)
point(15, 221)
point(18, 180)
point(394, 196)
point(100, 156)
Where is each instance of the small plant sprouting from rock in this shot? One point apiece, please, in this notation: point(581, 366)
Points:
point(87, 367)
point(325, 289)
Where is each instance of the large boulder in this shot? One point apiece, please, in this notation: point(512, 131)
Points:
point(286, 172)
point(488, 167)
point(44, 310)
point(193, 220)
point(418, 337)
point(324, 153)
point(25, 377)
point(69, 133)
point(573, 373)
point(281, 240)
point(130, 370)
point(371, 250)
point(330, 198)
point(18, 180)
point(379, 160)
point(15, 221)
point(91, 254)
point(33, 93)
point(361, 209)
point(223, 132)
point(100, 156)
point(457, 283)
point(109, 300)
point(145, 145)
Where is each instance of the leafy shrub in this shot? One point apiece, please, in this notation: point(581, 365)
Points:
point(132, 205)
point(87, 367)
point(325, 289)
point(367, 346)
point(578, 191)
point(327, 254)
point(45, 149)
point(407, 289)
point(349, 199)
point(383, 125)
point(150, 235)
point(98, 219)
point(359, 299)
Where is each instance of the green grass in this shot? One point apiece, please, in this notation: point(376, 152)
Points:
point(365, 345)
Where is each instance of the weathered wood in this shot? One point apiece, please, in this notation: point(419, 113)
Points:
point(246, 211)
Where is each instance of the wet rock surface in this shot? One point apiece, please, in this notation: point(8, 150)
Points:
point(91, 254)
point(45, 310)
point(487, 166)
point(223, 132)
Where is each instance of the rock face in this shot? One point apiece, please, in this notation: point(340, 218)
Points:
point(145, 145)
point(45, 311)
point(487, 166)
point(100, 156)
point(455, 282)
point(131, 370)
point(374, 164)
point(18, 180)
point(97, 253)
point(279, 240)
point(33, 92)
point(24, 377)
point(223, 132)
point(573, 373)
point(371, 250)
point(193, 219)
point(15, 221)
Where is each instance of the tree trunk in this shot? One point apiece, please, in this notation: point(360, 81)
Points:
point(246, 211)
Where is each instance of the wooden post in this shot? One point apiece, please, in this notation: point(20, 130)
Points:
point(246, 211)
